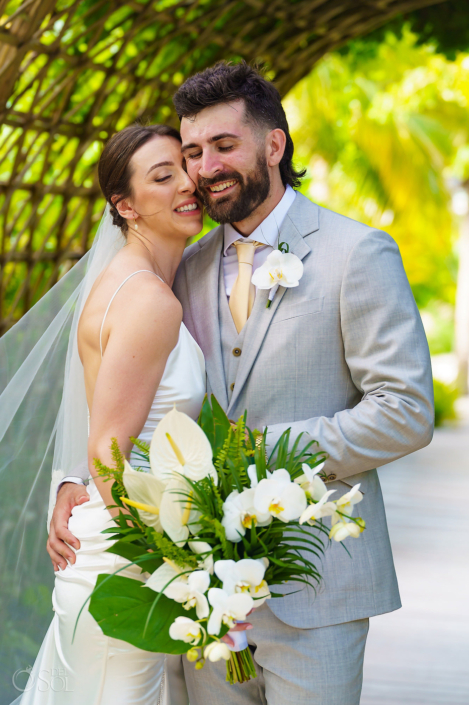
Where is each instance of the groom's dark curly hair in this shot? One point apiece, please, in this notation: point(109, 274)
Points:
point(226, 82)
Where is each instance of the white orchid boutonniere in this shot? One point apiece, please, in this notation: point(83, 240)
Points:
point(281, 268)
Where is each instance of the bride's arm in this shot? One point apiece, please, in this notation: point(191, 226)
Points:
point(144, 328)
point(145, 331)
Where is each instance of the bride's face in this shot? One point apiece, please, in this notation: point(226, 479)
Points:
point(162, 192)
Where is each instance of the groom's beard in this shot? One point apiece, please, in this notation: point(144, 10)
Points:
point(251, 192)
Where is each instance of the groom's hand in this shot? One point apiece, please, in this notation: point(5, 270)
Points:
point(69, 496)
point(240, 627)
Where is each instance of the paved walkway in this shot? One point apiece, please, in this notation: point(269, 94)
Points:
point(419, 655)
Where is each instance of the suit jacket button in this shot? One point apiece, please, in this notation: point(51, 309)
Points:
point(236, 352)
point(232, 386)
point(331, 478)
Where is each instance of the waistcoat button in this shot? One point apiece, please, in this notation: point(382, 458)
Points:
point(236, 352)
point(232, 386)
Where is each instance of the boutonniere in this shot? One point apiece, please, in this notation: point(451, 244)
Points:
point(281, 268)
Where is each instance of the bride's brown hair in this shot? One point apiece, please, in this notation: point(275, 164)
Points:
point(114, 168)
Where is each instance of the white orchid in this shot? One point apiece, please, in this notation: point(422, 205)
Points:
point(318, 510)
point(347, 502)
point(192, 593)
point(178, 515)
point(166, 574)
point(217, 650)
point(180, 585)
point(180, 447)
point(311, 483)
point(145, 493)
point(343, 529)
point(281, 497)
point(227, 609)
point(252, 474)
point(279, 269)
point(185, 629)
point(239, 514)
point(201, 548)
point(244, 576)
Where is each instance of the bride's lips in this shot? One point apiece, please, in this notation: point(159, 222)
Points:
point(226, 186)
point(189, 207)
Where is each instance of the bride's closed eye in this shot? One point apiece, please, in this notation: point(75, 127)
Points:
point(163, 178)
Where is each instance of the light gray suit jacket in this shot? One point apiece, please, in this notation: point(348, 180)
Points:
point(344, 357)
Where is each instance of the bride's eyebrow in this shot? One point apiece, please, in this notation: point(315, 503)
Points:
point(155, 166)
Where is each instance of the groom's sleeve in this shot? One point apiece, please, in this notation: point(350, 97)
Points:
point(387, 355)
point(80, 475)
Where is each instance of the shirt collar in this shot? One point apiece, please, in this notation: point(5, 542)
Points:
point(269, 229)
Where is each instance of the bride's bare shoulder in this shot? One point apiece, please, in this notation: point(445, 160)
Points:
point(142, 300)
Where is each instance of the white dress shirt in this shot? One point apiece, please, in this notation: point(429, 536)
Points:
point(268, 232)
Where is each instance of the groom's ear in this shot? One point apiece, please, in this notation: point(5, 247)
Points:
point(275, 146)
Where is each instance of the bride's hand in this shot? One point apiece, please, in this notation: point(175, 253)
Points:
point(69, 496)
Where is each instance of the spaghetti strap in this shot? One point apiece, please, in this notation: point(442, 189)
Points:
point(113, 297)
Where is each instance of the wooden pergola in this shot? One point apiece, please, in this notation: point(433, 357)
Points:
point(74, 71)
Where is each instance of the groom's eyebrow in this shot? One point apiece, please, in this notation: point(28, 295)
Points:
point(211, 140)
point(155, 166)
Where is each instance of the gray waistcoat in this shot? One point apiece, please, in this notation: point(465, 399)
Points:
point(232, 342)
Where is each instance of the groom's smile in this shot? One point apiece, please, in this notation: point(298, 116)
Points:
point(222, 188)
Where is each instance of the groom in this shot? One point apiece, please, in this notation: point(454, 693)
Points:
point(342, 356)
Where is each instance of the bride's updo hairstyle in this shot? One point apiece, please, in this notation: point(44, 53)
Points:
point(115, 169)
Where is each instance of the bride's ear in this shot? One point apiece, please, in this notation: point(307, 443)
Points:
point(124, 208)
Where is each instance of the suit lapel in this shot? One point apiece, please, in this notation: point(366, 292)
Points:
point(301, 220)
point(202, 276)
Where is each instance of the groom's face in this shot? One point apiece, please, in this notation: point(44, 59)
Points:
point(226, 158)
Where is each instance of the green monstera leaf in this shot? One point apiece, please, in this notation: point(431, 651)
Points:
point(121, 606)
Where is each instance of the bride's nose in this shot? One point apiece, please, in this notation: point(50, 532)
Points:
point(186, 184)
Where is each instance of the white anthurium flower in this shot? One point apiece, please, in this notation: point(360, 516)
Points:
point(227, 609)
point(281, 497)
point(239, 514)
point(318, 510)
point(169, 571)
point(180, 447)
point(346, 504)
point(217, 650)
point(343, 529)
point(191, 593)
point(279, 269)
point(244, 576)
point(185, 629)
point(145, 493)
point(177, 513)
point(201, 547)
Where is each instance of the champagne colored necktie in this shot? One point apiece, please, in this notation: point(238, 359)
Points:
point(243, 292)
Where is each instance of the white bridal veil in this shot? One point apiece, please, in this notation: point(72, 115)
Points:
point(43, 430)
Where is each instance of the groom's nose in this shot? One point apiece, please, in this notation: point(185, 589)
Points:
point(210, 164)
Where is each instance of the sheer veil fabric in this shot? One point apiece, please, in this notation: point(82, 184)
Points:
point(43, 428)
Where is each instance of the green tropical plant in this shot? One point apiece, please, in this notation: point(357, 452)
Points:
point(379, 128)
point(445, 398)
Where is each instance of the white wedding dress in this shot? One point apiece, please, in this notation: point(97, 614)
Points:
point(96, 669)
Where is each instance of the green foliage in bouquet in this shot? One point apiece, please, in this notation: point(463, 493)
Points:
point(214, 503)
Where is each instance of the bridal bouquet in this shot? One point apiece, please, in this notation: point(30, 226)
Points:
point(214, 525)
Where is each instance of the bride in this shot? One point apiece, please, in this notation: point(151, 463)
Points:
point(137, 361)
